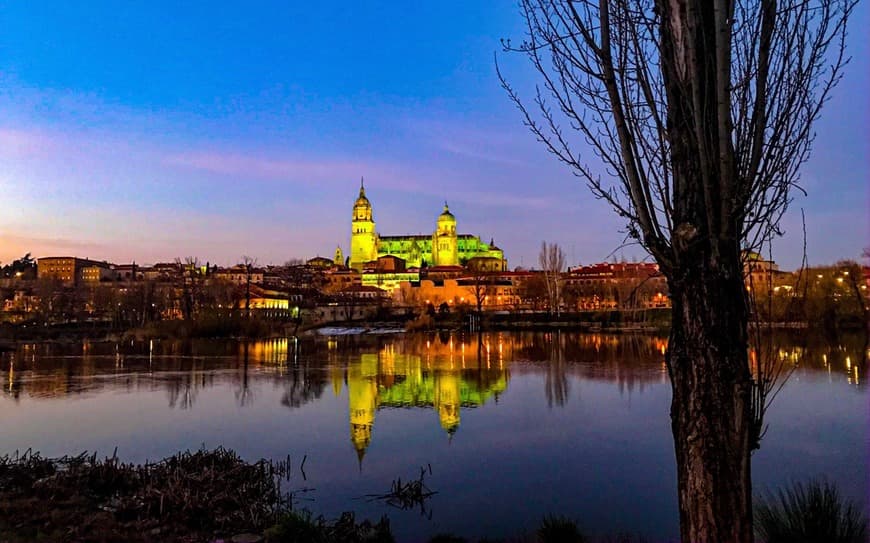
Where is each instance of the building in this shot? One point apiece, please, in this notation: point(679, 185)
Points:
point(445, 247)
point(129, 272)
point(623, 285)
point(97, 273)
point(71, 269)
point(340, 279)
point(238, 275)
point(762, 275)
point(491, 292)
point(320, 262)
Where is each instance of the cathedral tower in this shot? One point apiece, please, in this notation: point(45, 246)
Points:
point(362, 395)
point(445, 251)
point(363, 239)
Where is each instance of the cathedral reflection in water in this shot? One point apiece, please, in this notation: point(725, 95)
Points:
point(445, 372)
point(445, 377)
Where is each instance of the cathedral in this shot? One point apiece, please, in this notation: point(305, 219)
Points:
point(443, 248)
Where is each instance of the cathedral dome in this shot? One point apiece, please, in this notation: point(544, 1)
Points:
point(362, 208)
point(362, 201)
point(446, 215)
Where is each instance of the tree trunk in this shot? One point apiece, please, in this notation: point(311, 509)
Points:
point(711, 406)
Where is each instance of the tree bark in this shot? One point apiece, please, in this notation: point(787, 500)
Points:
point(711, 407)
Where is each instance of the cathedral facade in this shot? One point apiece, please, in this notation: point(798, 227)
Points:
point(443, 248)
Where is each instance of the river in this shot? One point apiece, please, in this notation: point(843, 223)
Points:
point(513, 426)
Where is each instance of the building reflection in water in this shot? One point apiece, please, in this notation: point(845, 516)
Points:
point(446, 376)
point(447, 373)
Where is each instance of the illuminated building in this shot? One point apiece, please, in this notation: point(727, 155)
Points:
point(70, 269)
point(443, 248)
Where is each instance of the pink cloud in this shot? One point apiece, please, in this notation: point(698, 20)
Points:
point(270, 168)
point(18, 142)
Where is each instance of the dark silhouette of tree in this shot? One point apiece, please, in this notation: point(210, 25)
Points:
point(249, 264)
point(533, 292)
point(552, 262)
point(23, 268)
point(479, 285)
point(701, 115)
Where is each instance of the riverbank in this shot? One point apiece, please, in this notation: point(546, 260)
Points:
point(216, 497)
point(649, 321)
point(188, 497)
point(205, 496)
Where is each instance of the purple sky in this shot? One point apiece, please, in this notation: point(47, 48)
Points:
point(158, 132)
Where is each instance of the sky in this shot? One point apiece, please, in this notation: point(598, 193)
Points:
point(146, 131)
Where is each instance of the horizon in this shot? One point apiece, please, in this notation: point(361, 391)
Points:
point(158, 132)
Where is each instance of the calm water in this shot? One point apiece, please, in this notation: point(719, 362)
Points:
point(514, 426)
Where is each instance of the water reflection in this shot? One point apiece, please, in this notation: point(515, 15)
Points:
point(579, 420)
point(444, 372)
point(446, 378)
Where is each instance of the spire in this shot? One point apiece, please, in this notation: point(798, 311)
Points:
point(360, 453)
point(362, 186)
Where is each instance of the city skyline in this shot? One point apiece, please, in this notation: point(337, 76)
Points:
point(160, 132)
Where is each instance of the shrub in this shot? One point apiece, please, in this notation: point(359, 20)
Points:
point(555, 529)
point(808, 514)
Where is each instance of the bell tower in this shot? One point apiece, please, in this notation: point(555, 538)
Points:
point(363, 239)
point(444, 241)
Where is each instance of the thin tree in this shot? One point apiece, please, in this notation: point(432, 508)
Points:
point(248, 263)
point(698, 115)
point(552, 262)
point(480, 285)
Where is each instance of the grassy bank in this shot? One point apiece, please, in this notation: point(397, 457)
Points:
point(215, 496)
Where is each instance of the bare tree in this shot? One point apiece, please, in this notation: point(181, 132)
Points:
point(552, 262)
point(191, 285)
point(700, 114)
point(479, 285)
point(249, 264)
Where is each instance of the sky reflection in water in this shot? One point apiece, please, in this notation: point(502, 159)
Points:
point(515, 425)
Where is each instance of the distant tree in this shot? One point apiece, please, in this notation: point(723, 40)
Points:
point(533, 292)
point(552, 262)
point(192, 279)
point(249, 264)
point(480, 286)
point(22, 268)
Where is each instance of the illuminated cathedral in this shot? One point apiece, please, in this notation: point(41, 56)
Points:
point(443, 248)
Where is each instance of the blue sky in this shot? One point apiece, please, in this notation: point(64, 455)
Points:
point(160, 130)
